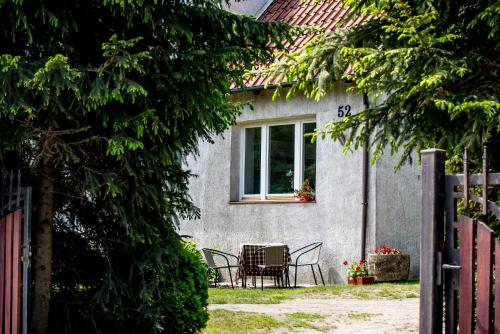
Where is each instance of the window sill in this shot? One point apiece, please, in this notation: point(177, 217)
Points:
point(270, 202)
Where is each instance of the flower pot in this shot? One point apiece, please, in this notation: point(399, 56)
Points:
point(389, 267)
point(304, 198)
point(361, 280)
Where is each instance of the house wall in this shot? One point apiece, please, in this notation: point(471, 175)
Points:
point(335, 218)
point(398, 205)
point(248, 7)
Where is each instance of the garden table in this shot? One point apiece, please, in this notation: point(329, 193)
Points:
point(248, 261)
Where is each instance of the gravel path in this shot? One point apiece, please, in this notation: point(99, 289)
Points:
point(344, 316)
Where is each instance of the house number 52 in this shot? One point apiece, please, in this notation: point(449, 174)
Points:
point(344, 111)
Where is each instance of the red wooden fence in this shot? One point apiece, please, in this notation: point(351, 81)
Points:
point(460, 258)
point(477, 235)
point(10, 272)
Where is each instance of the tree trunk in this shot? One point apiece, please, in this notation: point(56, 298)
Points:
point(43, 260)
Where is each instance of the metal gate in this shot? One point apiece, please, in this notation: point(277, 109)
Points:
point(459, 258)
point(15, 216)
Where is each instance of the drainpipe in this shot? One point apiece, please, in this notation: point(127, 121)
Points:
point(364, 186)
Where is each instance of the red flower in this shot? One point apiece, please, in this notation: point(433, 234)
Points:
point(358, 268)
point(387, 250)
point(362, 262)
point(345, 263)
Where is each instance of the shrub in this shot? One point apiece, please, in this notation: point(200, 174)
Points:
point(159, 289)
point(192, 297)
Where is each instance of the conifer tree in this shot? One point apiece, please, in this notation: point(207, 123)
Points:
point(434, 66)
point(99, 102)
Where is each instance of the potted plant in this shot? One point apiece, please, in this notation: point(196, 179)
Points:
point(388, 264)
point(305, 193)
point(357, 273)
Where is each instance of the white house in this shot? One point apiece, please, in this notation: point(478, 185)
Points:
point(247, 176)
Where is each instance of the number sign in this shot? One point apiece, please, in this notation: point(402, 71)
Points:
point(344, 111)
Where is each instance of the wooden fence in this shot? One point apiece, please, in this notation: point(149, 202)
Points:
point(15, 210)
point(460, 258)
point(10, 271)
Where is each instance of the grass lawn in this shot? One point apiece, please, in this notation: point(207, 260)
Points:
point(275, 296)
point(235, 322)
point(238, 322)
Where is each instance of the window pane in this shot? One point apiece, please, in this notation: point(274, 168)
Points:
point(309, 155)
point(252, 160)
point(281, 152)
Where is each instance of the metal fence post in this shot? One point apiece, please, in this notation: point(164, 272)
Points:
point(431, 241)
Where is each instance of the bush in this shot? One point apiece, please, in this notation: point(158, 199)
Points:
point(158, 287)
point(192, 297)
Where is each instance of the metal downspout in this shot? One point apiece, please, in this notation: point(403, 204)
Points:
point(364, 186)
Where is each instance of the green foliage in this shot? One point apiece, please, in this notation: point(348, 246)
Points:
point(431, 69)
point(193, 291)
point(356, 269)
point(305, 190)
point(113, 94)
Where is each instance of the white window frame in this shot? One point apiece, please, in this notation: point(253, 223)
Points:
point(298, 173)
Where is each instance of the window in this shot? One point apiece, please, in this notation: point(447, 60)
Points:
point(276, 159)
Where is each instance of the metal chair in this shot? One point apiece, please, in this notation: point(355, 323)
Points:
point(308, 256)
point(271, 257)
point(209, 257)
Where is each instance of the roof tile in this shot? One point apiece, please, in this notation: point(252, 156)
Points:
point(326, 14)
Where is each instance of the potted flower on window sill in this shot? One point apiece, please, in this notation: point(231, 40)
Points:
point(357, 273)
point(305, 193)
point(388, 264)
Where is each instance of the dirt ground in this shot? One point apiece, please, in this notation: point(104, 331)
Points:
point(344, 316)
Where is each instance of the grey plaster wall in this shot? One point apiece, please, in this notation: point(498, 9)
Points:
point(398, 205)
point(335, 218)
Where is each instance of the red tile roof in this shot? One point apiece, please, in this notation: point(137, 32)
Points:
point(326, 14)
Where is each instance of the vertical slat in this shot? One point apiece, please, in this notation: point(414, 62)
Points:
point(466, 311)
point(2, 272)
point(16, 271)
point(3, 192)
point(451, 255)
point(8, 274)
point(26, 256)
point(484, 277)
point(11, 192)
point(497, 286)
point(431, 229)
point(485, 179)
point(18, 196)
point(466, 179)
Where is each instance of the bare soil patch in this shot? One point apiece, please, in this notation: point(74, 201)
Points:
point(340, 315)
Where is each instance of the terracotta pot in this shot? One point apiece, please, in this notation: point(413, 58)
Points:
point(389, 267)
point(361, 280)
point(365, 280)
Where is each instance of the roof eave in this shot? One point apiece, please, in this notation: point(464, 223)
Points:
point(258, 88)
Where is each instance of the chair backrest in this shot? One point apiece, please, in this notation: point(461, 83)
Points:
point(209, 257)
point(316, 251)
point(308, 254)
point(274, 256)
